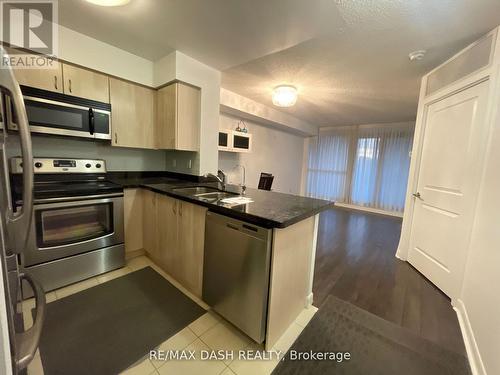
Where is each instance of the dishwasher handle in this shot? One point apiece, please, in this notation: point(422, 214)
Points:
point(229, 225)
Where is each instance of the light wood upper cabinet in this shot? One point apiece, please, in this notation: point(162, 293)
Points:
point(45, 79)
point(85, 83)
point(178, 117)
point(132, 111)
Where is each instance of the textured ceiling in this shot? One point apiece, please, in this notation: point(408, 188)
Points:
point(359, 72)
point(220, 33)
point(348, 58)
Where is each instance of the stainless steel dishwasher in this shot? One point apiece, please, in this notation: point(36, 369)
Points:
point(236, 272)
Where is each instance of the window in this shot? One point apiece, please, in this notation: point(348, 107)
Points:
point(328, 165)
point(361, 165)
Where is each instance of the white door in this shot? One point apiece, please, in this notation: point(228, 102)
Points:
point(455, 133)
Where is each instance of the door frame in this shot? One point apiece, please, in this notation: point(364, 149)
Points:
point(451, 286)
point(484, 74)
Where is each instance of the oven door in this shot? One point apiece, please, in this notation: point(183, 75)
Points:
point(64, 228)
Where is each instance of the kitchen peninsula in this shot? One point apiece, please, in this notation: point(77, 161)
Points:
point(172, 214)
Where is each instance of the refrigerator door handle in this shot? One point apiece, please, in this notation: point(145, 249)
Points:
point(27, 342)
point(19, 223)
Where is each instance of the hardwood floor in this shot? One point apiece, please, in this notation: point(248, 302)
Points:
point(355, 262)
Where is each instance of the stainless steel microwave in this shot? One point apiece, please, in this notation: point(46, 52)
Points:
point(54, 113)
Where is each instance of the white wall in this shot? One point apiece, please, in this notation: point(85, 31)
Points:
point(92, 53)
point(273, 151)
point(479, 301)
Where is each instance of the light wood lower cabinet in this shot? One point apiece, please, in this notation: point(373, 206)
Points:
point(149, 223)
point(173, 235)
point(190, 245)
point(133, 219)
point(132, 114)
point(167, 233)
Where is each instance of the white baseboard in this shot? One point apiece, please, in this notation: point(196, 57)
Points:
point(368, 209)
point(473, 354)
point(309, 300)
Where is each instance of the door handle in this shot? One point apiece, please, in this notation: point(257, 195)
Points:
point(27, 341)
point(417, 195)
point(18, 223)
point(91, 121)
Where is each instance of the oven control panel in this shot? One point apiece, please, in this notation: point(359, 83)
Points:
point(49, 165)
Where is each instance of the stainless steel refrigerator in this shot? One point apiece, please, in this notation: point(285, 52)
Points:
point(17, 346)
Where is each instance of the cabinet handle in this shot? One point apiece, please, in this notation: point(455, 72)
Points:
point(70, 90)
point(116, 138)
point(55, 82)
point(173, 208)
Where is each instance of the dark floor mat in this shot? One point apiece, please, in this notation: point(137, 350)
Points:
point(376, 346)
point(107, 328)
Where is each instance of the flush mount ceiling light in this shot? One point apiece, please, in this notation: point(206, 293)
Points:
point(109, 3)
point(417, 55)
point(284, 95)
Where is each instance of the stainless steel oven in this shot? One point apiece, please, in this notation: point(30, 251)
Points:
point(55, 113)
point(62, 228)
point(77, 228)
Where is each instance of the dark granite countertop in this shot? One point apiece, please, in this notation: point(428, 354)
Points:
point(269, 209)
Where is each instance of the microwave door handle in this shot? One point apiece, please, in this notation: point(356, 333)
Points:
point(18, 223)
point(91, 121)
point(27, 342)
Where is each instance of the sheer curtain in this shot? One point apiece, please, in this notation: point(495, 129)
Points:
point(365, 165)
point(327, 176)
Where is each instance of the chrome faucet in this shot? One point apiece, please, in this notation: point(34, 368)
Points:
point(219, 180)
point(243, 183)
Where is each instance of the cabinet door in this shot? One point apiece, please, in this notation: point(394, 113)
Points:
point(166, 117)
point(188, 118)
point(191, 239)
point(150, 232)
point(178, 117)
point(45, 79)
point(133, 216)
point(132, 111)
point(167, 233)
point(85, 83)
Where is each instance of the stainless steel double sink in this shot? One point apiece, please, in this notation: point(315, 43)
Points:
point(205, 193)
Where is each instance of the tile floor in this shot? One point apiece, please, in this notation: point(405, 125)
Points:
point(209, 332)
